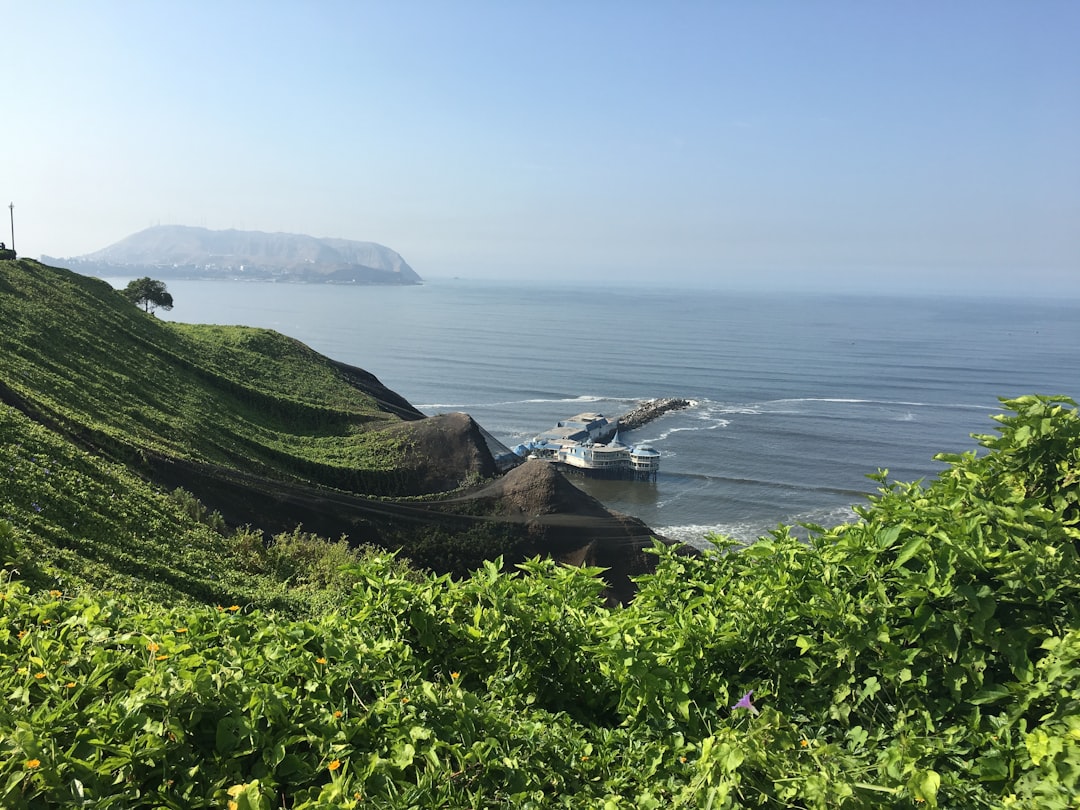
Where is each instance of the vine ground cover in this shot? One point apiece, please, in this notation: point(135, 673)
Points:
point(926, 655)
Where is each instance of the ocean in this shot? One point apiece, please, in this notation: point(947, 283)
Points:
point(796, 397)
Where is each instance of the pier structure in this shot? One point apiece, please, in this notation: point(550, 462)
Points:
point(589, 443)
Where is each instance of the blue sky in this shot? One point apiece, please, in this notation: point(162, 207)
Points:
point(865, 145)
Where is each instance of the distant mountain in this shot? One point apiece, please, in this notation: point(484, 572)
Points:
point(179, 251)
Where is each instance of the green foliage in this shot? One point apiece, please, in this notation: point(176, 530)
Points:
point(194, 509)
point(148, 293)
point(70, 520)
point(926, 655)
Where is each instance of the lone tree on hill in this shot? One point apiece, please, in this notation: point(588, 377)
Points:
point(148, 293)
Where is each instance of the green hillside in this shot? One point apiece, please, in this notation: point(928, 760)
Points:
point(264, 433)
point(105, 410)
point(155, 654)
point(83, 358)
point(926, 656)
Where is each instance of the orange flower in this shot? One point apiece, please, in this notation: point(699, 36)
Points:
point(234, 608)
point(320, 660)
point(161, 657)
point(153, 647)
point(69, 685)
point(39, 675)
point(805, 743)
point(55, 593)
point(33, 763)
point(337, 714)
point(334, 764)
point(455, 675)
point(22, 633)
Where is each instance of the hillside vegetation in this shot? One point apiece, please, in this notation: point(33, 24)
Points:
point(271, 437)
point(927, 655)
point(155, 654)
point(78, 354)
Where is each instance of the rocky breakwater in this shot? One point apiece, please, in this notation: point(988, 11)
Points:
point(649, 410)
point(644, 413)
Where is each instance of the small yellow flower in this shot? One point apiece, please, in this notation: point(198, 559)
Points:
point(220, 609)
point(161, 657)
point(804, 743)
point(39, 675)
point(232, 805)
point(337, 713)
point(682, 759)
point(46, 621)
point(180, 630)
point(334, 764)
point(234, 608)
point(153, 647)
point(404, 700)
point(320, 660)
point(55, 594)
point(22, 633)
point(69, 685)
point(455, 675)
point(584, 758)
point(33, 763)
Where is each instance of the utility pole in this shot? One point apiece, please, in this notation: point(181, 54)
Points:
point(11, 208)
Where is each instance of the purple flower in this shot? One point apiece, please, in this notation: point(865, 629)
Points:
point(744, 703)
point(35, 506)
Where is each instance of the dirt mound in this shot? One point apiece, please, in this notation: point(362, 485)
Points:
point(571, 526)
point(443, 452)
point(536, 488)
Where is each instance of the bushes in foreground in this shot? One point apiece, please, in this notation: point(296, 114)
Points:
point(926, 655)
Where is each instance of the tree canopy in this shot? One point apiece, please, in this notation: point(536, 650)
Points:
point(148, 293)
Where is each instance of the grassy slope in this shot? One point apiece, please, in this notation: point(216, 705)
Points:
point(253, 423)
point(245, 398)
point(105, 384)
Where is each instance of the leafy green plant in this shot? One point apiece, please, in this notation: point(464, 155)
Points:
point(927, 655)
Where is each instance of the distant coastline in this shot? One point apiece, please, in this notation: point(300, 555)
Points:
point(359, 276)
point(171, 252)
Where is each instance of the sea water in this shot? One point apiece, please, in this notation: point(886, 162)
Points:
point(796, 397)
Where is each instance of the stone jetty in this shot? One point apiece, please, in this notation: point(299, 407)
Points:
point(644, 413)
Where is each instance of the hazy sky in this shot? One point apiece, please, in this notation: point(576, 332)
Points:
point(903, 145)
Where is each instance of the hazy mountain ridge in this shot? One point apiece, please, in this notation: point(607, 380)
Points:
point(180, 251)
